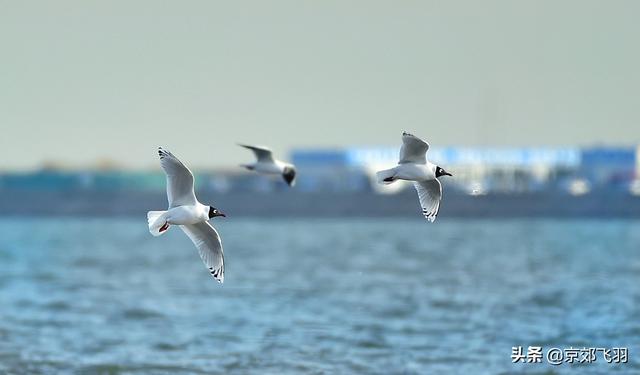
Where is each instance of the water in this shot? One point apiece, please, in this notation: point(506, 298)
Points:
point(316, 297)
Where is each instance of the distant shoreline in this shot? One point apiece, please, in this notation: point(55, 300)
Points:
point(97, 203)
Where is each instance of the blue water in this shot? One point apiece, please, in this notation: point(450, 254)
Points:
point(93, 296)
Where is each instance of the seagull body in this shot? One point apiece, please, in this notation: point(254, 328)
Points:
point(184, 215)
point(267, 164)
point(414, 166)
point(191, 215)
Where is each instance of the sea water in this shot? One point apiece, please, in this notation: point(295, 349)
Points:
point(331, 296)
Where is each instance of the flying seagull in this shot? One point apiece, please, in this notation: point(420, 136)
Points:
point(266, 164)
point(191, 215)
point(414, 166)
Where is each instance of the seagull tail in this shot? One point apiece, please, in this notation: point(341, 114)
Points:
point(157, 223)
point(386, 176)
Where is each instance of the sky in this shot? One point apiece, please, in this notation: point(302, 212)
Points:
point(106, 82)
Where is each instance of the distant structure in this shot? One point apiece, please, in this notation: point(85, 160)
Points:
point(477, 171)
point(611, 168)
point(480, 171)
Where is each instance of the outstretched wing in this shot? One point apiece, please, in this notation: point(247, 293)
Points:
point(413, 150)
point(179, 180)
point(430, 194)
point(263, 154)
point(209, 245)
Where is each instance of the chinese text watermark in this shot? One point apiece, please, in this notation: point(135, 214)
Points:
point(557, 356)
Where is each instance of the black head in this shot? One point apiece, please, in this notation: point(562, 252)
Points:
point(289, 175)
point(442, 172)
point(213, 212)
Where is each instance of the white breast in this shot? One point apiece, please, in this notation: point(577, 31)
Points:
point(184, 215)
point(270, 168)
point(415, 172)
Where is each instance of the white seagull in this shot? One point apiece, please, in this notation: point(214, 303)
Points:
point(414, 166)
point(266, 164)
point(191, 215)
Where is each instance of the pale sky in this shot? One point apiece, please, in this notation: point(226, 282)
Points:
point(83, 81)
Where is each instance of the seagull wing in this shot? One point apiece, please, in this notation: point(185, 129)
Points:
point(430, 194)
point(179, 180)
point(414, 149)
point(263, 154)
point(209, 245)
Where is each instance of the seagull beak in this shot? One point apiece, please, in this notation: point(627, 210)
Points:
point(448, 174)
point(220, 214)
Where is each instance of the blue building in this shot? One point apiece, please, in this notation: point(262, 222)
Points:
point(610, 167)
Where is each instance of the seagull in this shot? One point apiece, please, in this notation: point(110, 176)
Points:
point(414, 166)
point(191, 215)
point(266, 164)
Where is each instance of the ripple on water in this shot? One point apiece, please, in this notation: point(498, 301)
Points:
point(547, 299)
point(169, 347)
point(116, 369)
point(140, 314)
point(57, 306)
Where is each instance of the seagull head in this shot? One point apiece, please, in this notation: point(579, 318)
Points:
point(289, 174)
point(442, 172)
point(213, 212)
